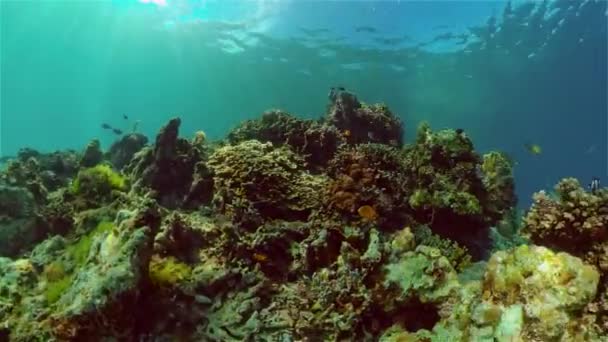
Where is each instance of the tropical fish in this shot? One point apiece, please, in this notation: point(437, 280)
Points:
point(534, 149)
point(124, 116)
point(367, 212)
point(260, 257)
point(367, 29)
point(116, 131)
point(594, 185)
point(106, 126)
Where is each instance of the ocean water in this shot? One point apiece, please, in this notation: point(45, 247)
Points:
point(507, 73)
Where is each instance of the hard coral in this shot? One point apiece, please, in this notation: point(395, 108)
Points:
point(362, 123)
point(254, 182)
point(369, 175)
point(573, 221)
point(449, 190)
point(314, 141)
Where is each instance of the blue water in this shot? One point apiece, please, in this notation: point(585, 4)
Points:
point(533, 73)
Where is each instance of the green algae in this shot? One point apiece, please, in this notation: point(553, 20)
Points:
point(168, 271)
point(55, 289)
point(80, 250)
point(98, 178)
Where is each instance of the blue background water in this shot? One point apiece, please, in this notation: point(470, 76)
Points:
point(536, 75)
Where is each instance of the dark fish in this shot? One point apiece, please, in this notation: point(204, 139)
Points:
point(367, 29)
point(594, 186)
point(116, 131)
point(106, 126)
point(459, 131)
point(124, 116)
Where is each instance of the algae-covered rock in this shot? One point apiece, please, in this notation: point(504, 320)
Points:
point(167, 167)
point(527, 294)
point(20, 226)
point(102, 294)
point(122, 151)
point(92, 154)
point(551, 288)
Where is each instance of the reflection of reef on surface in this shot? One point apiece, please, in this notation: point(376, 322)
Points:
point(291, 229)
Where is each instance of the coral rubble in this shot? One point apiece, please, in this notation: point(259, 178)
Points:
point(295, 230)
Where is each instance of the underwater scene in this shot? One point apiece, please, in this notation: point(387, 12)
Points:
point(393, 171)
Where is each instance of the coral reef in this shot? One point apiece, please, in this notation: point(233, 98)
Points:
point(527, 294)
point(314, 141)
point(362, 123)
point(572, 222)
point(255, 181)
point(454, 191)
point(296, 230)
point(369, 176)
point(575, 221)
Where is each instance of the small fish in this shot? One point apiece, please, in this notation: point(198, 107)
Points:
point(533, 148)
point(347, 133)
point(367, 29)
point(124, 116)
point(367, 212)
point(136, 125)
point(106, 126)
point(260, 257)
point(594, 186)
point(459, 131)
point(117, 131)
